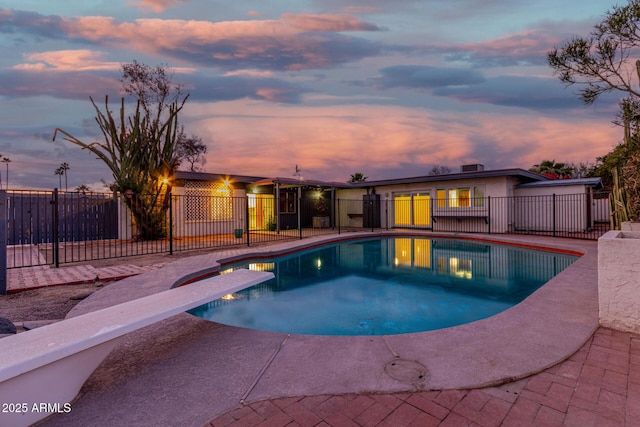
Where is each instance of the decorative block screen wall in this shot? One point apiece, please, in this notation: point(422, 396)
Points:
point(208, 201)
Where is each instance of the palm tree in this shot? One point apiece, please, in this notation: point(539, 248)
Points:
point(59, 171)
point(553, 170)
point(6, 161)
point(82, 189)
point(357, 177)
point(65, 167)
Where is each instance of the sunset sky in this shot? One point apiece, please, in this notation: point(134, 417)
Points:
point(386, 88)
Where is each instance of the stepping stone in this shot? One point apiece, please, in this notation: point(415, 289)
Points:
point(7, 327)
point(32, 324)
point(81, 296)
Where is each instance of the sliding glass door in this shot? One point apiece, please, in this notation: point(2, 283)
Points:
point(412, 209)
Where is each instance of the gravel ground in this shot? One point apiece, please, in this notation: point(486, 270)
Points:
point(51, 303)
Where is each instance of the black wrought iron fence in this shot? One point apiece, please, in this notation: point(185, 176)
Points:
point(581, 216)
point(53, 227)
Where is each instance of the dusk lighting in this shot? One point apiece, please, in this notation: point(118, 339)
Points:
point(309, 85)
point(319, 212)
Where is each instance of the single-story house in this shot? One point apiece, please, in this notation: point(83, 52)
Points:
point(472, 200)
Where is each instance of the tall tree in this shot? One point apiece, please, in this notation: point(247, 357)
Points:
point(141, 150)
point(82, 188)
point(191, 149)
point(65, 167)
point(440, 170)
point(581, 170)
point(59, 171)
point(152, 87)
point(357, 177)
point(600, 62)
point(603, 62)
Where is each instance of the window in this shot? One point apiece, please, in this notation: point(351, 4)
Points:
point(463, 197)
point(287, 202)
point(441, 195)
point(208, 201)
point(460, 198)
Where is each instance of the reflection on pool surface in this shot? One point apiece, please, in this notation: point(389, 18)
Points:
point(386, 286)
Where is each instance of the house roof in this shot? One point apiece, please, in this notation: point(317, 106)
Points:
point(294, 182)
point(596, 183)
point(522, 174)
point(203, 176)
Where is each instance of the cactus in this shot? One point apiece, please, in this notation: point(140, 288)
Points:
point(618, 203)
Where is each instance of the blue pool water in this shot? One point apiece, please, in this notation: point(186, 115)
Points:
point(386, 286)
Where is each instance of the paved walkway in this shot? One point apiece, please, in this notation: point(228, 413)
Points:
point(597, 386)
point(20, 279)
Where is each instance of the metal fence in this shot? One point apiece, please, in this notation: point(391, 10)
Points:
point(53, 227)
point(579, 216)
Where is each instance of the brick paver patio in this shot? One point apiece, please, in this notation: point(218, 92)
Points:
point(597, 386)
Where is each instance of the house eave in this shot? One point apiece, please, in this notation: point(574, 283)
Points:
point(522, 174)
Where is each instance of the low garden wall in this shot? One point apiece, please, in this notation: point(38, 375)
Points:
point(619, 280)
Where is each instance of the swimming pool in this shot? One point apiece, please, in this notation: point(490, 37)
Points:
point(386, 286)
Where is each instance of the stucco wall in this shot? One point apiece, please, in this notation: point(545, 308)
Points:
point(619, 280)
point(547, 191)
point(535, 209)
point(495, 187)
point(350, 201)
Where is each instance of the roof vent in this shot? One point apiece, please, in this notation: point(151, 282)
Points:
point(472, 168)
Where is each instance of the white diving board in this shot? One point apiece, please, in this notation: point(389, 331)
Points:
point(49, 365)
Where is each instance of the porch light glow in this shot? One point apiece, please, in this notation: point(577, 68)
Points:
point(228, 297)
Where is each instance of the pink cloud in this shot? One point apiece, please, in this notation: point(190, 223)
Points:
point(292, 42)
point(67, 60)
point(530, 42)
point(174, 32)
point(525, 47)
point(327, 23)
point(333, 142)
point(156, 5)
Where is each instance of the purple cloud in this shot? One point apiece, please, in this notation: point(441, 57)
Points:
point(425, 77)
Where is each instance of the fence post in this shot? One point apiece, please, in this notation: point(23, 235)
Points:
point(433, 202)
point(300, 213)
point(170, 195)
point(246, 217)
point(372, 212)
point(3, 242)
point(55, 232)
point(553, 212)
point(386, 213)
point(489, 214)
point(338, 214)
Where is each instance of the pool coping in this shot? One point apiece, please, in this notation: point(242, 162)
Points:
point(222, 365)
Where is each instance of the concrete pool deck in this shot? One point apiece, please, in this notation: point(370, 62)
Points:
point(187, 371)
